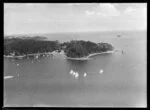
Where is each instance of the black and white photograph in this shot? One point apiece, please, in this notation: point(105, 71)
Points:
point(75, 55)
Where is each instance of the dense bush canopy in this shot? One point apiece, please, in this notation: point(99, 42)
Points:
point(84, 48)
point(75, 49)
point(28, 46)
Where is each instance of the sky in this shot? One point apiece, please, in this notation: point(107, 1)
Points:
point(27, 18)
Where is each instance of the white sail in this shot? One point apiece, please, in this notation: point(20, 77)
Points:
point(85, 75)
point(101, 71)
point(71, 71)
point(77, 75)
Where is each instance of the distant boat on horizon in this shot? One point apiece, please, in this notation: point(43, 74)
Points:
point(118, 35)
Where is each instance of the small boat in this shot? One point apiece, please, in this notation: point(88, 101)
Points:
point(76, 74)
point(118, 35)
point(8, 77)
point(36, 57)
point(71, 71)
point(84, 74)
point(101, 71)
point(17, 64)
point(122, 51)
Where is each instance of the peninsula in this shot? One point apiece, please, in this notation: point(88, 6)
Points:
point(75, 49)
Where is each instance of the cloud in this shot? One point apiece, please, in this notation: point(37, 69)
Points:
point(30, 18)
point(109, 9)
point(136, 16)
point(74, 4)
point(129, 10)
point(104, 9)
point(114, 16)
point(89, 12)
point(136, 12)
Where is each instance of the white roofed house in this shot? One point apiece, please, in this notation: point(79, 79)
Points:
point(13, 54)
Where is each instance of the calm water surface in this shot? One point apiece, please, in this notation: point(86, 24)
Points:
point(47, 82)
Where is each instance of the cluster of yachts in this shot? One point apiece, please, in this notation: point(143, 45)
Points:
point(76, 74)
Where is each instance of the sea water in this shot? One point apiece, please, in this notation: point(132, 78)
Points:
point(46, 81)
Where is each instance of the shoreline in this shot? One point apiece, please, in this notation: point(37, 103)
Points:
point(34, 54)
point(90, 55)
point(62, 52)
point(54, 53)
point(83, 58)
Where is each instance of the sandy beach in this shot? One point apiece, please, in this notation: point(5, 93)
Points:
point(90, 55)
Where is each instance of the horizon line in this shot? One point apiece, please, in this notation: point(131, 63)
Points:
point(71, 32)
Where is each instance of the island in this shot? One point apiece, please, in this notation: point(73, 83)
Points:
point(85, 49)
point(18, 47)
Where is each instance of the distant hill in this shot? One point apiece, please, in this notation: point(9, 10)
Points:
point(26, 37)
